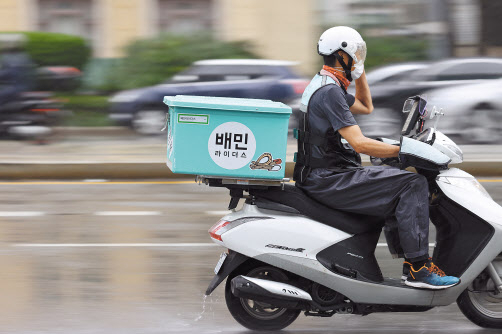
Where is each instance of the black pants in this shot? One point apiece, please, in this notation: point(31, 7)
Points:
point(399, 196)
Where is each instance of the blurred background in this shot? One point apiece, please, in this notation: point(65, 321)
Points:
point(110, 62)
point(81, 89)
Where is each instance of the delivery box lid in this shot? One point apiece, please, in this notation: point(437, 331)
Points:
point(227, 103)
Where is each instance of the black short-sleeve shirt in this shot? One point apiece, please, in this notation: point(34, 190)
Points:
point(329, 108)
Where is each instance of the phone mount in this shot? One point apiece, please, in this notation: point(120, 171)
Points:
point(413, 106)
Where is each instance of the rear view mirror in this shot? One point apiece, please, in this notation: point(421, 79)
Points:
point(408, 105)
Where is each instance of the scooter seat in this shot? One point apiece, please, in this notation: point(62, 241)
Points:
point(295, 198)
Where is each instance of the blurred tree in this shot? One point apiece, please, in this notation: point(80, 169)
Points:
point(151, 61)
point(387, 50)
point(394, 49)
point(52, 49)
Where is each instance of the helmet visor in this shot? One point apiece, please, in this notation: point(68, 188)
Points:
point(360, 54)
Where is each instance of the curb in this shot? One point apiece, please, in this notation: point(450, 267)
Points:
point(86, 170)
point(159, 170)
point(111, 131)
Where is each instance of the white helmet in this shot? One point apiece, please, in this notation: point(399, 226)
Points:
point(348, 40)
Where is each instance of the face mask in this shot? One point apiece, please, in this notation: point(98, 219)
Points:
point(358, 71)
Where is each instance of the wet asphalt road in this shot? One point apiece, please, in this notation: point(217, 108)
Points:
point(148, 265)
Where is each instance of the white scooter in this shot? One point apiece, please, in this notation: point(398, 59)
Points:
point(288, 253)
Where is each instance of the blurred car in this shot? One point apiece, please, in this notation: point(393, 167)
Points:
point(143, 108)
point(473, 113)
point(58, 78)
point(388, 97)
point(30, 115)
point(383, 120)
point(393, 73)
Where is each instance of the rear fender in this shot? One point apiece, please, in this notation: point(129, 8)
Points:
point(231, 263)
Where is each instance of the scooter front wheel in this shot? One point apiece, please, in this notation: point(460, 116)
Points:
point(256, 315)
point(481, 303)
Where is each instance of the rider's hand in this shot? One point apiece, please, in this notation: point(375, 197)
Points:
point(362, 77)
point(393, 162)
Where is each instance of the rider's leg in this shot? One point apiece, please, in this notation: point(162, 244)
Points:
point(394, 244)
point(383, 191)
point(423, 273)
point(379, 191)
point(392, 236)
point(412, 214)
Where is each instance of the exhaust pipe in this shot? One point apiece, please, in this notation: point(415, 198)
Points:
point(271, 292)
point(282, 295)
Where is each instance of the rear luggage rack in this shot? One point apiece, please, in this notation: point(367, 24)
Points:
point(237, 186)
point(216, 181)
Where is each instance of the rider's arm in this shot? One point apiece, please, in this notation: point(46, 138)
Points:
point(363, 103)
point(362, 144)
point(336, 111)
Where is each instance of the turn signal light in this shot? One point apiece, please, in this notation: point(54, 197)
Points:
point(215, 232)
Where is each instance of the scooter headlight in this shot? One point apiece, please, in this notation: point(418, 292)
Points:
point(466, 183)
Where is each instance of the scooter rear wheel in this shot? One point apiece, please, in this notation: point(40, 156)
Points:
point(256, 315)
point(481, 304)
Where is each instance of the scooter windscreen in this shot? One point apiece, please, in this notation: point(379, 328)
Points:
point(415, 106)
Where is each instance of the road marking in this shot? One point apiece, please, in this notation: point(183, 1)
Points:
point(217, 213)
point(128, 213)
point(21, 214)
point(185, 245)
point(381, 244)
point(93, 182)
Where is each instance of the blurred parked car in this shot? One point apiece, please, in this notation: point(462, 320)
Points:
point(388, 97)
point(275, 80)
point(473, 113)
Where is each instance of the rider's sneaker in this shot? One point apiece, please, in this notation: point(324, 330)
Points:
point(406, 270)
point(430, 277)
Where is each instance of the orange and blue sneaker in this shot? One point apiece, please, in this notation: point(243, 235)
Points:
point(430, 277)
point(406, 270)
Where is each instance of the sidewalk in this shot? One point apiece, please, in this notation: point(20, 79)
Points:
point(120, 153)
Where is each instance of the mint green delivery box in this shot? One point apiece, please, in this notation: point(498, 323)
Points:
point(228, 137)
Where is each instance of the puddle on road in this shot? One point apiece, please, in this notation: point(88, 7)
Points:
point(203, 308)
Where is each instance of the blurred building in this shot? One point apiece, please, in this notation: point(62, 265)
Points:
point(461, 28)
point(476, 26)
point(383, 14)
point(279, 29)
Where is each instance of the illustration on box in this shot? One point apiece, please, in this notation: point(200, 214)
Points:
point(265, 161)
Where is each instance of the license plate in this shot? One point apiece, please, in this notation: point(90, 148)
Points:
point(223, 256)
